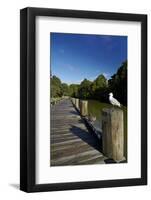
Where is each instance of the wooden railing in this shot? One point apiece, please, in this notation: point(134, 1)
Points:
point(56, 100)
point(112, 133)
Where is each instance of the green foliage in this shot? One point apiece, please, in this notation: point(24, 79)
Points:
point(73, 90)
point(65, 89)
point(100, 82)
point(98, 89)
point(84, 90)
point(118, 84)
point(55, 87)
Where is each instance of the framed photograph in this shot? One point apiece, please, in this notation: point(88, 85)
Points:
point(83, 99)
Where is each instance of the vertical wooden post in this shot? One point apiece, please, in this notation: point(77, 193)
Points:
point(84, 108)
point(77, 103)
point(113, 133)
point(73, 100)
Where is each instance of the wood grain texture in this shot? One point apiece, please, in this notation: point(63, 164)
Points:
point(113, 133)
point(84, 107)
point(71, 142)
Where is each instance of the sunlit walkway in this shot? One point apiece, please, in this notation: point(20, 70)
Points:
point(71, 142)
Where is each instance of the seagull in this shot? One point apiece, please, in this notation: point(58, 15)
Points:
point(113, 101)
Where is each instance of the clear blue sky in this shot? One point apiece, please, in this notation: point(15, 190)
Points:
point(74, 57)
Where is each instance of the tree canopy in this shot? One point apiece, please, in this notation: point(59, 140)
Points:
point(118, 83)
point(84, 89)
point(55, 86)
point(97, 89)
point(65, 89)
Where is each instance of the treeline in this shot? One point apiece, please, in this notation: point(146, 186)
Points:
point(97, 89)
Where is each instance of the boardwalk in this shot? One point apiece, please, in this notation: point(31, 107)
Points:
point(71, 142)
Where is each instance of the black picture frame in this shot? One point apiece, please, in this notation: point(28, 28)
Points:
point(28, 98)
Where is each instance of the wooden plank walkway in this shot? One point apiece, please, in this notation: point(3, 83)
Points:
point(71, 142)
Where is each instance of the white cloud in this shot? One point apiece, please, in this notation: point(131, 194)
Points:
point(107, 75)
point(73, 82)
point(93, 78)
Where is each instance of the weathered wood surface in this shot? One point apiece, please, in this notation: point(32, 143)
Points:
point(84, 107)
point(113, 133)
point(77, 101)
point(71, 142)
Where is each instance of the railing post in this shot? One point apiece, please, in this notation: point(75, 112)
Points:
point(74, 101)
point(113, 133)
point(84, 107)
point(77, 103)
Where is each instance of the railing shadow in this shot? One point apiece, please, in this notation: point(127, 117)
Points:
point(74, 112)
point(87, 137)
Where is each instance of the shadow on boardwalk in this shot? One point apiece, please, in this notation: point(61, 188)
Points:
point(87, 137)
point(71, 143)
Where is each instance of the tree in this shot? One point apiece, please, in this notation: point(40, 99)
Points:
point(65, 89)
point(99, 88)
point(84, 89)
point(73, 90)
point(55, 85)
point(100, 81)
point(118, 83)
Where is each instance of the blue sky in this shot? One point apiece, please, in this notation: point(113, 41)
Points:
point(74, 57)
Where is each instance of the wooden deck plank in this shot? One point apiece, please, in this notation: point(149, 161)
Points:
point(70, 141)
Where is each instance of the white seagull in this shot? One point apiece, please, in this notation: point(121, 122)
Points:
point(113, 101)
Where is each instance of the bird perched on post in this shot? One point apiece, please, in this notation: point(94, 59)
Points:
point(113, 101)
